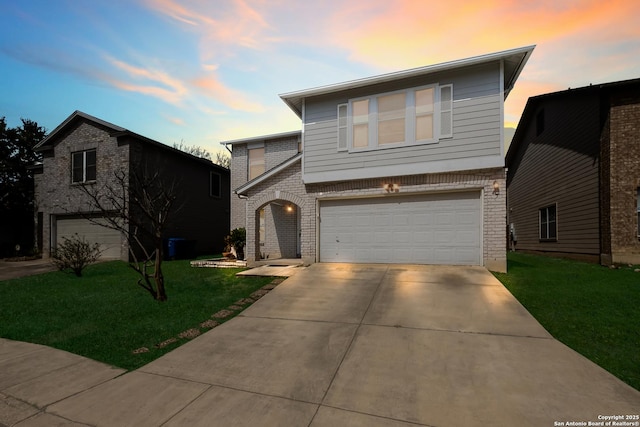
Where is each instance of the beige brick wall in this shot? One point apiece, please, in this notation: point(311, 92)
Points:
point(287, 186)
point(277, 151)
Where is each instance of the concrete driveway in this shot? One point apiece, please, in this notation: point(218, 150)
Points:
point(16, 269)
point(363, 345)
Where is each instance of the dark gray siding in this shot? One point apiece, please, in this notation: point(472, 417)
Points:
point(197, 215)
point(559, 166)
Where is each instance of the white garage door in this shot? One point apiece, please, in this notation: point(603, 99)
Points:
point(425, 229)
point(109, 240)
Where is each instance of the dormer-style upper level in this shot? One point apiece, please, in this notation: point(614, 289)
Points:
point(438, 118)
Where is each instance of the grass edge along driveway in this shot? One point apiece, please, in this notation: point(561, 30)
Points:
point(105, 316)
point(592, 309)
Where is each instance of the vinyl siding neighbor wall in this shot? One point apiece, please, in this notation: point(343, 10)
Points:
point(558, 166)
point(476, 141)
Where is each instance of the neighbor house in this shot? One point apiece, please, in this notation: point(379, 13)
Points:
point(85, 151)
point(406, 167)
point(574, 174)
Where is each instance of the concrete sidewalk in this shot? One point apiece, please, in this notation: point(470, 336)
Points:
point(356, 345)
point(33, 376)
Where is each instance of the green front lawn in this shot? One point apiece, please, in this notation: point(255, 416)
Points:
point(592, 309)
point(105, 315)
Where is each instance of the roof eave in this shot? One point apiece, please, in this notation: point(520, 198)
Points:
point(262, 138)
point(242, 190)
point(294, 99)
point(43, 145)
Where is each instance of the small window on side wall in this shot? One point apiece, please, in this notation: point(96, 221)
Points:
point(548, 224)
point(215, 185)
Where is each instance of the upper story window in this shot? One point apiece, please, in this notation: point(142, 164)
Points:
point(256, 162)
point(548, 224)
point(83, 166)
point(215, 184)
point(414, 116)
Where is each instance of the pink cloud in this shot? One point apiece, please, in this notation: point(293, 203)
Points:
point(222, 25)
point(230, 97)
point(400, 34)
point(147, 81)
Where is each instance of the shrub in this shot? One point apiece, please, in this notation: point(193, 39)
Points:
point(75, 254)
point(237, 240)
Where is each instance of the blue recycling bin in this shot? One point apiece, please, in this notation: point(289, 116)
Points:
point(172, 247)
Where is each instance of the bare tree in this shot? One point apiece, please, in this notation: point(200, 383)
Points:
point(194, 150)
point(139, 205)
point(223, 159)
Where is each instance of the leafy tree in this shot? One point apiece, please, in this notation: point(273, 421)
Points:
point(16, 183)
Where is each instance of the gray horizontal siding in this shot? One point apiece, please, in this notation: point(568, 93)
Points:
point(476, 124)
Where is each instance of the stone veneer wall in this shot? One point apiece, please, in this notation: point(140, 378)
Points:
point(288, 186)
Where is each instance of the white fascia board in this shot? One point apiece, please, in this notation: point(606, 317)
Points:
point(441, 166)
point(262, 138)
point(293, 99)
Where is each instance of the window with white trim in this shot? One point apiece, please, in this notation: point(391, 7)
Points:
point(414, 116)
point(548, 224)
point(83, 166)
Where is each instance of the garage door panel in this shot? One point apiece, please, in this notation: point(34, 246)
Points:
point(422, 219)
point(427, 229)
point(108, 239)
point(402, 237)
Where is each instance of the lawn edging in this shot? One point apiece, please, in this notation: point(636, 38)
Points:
point(221, 317)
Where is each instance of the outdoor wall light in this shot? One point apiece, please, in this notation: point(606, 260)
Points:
point(391, 188)
point(496, 188)
point(289, 208)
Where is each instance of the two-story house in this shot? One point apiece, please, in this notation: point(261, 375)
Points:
point(84, 151)
point(406, 167)
point(574, 174)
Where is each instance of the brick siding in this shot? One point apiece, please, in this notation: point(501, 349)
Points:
point(624, 141)
point(55, 195)
point(287, 186)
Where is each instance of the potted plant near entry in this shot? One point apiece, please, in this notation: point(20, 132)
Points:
point(236, 241)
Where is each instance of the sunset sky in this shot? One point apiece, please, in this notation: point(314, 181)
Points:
point(201, 71)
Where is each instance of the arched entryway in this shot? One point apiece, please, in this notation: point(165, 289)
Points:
point(277, 228)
